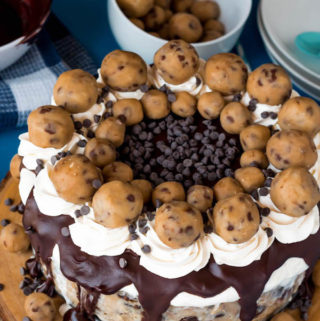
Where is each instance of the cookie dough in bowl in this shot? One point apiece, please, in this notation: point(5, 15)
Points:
point(173, 215)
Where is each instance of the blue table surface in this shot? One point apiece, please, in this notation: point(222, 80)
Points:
point(87, 21)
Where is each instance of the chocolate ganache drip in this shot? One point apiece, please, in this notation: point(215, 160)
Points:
point(103, 274)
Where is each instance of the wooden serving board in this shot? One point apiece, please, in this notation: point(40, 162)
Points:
point(12, 298)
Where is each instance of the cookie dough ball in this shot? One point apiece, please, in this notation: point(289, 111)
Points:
point(178, 224)
point(138, 22)
point(250, 178)
point(167, 192)
point(185, 104)
point(76, 90)
point(117, 204)
point(295, 191)
point(214, 25)
point(155, 18)
point(289, 148)
point(117, 171)
point(236, 219)
point(74, 177)
point(254, 137)
point(283, 316)
point(211, 35)
point(165, 4)
point(235, 117)
point(226, 73)
point(131, 109)
point(176, 61)
point(112, 129)
point(210, 105)
point(255, 158)
point(14, 239)
point(200, 197)
point(135, 8)
point(144, 187)
point(300, 113)
point(185, 26)
point(124, 70)
point(101, 152)
point(164, 32)
point(40, 307)
point(269, 84)
point(155, 104)
point(50, 126)
point(15, 166)
point(182, 5)
point(226, 188)
point(205, 10)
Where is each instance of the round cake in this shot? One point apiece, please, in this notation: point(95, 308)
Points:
point(186, 190)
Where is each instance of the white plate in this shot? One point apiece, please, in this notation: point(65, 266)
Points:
point(284, 20)
point(303, 83)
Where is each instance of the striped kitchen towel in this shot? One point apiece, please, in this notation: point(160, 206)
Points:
point(29, 83)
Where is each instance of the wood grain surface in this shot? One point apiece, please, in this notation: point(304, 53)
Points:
point(12, 298)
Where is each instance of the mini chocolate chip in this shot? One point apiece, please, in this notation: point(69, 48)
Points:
point(1, 287)
point(87, 123)
point(8, 201)
point(96, 118)
point(132, 228)
point(77, 125)
point(20, 208)
point(265, 211)
point(65, 231)
point(123, 263)
point(90, 134)
point(146, 249)
point(84, 210)
point(54, 159)
point(265, 114)
point(96, 183)
point(82, 143)
point(172, 97)
point(5, 222)
point(150, 216)
point(273, 115)
point(131, 198)
point(269, 231)
point(27, 291)
point(109, 104)
point(134, 236)
point(263, 191)
point(144, 88)
point(77, 213)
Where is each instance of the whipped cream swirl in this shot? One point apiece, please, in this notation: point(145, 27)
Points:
point(31, 152)
point(95, 239)
point(241, 254)
point(167, 262)
point(26, 183)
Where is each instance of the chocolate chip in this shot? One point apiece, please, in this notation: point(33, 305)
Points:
point(263, 191)
point(87, 123)
point(77, 125)
point(151, 216)
point(144, 88)
point(90, 134)
point(172, 98)
point(96, 183)
point(269, 231)
point(1, 287)
point(131, 198)
point(265, 211)
point(96, 118)
point(14, 208)
point(146, 249)
point(265, 114)
point(65, 231)
point(134, 236)
point(255, 195)
point(273, 115)
point(82, 143)
point(20, 208)
point(84, 210)
point(123, 263)
point(5, 222)
point(8, 201)
point(27, 291)
point(132, 228)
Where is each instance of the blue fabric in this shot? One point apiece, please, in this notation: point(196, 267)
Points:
point(29, 83)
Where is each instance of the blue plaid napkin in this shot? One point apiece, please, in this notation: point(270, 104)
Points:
point(29, 83)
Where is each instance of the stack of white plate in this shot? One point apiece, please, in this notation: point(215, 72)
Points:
point(279, 22)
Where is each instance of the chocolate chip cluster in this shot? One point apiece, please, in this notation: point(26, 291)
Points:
point(190, 151)
point(190, 20)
